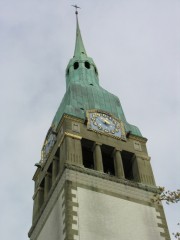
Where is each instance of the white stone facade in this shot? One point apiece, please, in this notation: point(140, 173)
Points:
point(99, 209)
point(105, 217)
point(53, 227)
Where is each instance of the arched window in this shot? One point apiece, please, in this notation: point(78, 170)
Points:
point(87, 65)
point(76, 65)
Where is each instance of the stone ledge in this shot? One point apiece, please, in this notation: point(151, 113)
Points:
point(98, 174)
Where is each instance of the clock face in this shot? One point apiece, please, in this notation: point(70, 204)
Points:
point(49, 143)
point(102, 122)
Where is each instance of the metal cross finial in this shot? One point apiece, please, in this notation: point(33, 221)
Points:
point(76, 7)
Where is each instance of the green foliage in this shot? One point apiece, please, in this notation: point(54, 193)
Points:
point(177, 235)
point(168, 197)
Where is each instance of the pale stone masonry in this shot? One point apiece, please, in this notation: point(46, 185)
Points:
point(88, 204)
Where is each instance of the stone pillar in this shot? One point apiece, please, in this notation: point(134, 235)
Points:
point(35, 208)
point(69, 149)
point(118, 165)
point(74, 150)
point(47, 184)
point(98, 162)
point(136, 169)
point(151, 176)
point(38, 201)
point(78, 152)
point(40, 196)
point(63, 156)
point(145, 173)
point(55, 168)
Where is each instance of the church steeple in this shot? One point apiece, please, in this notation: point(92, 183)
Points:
point(79, 46)
point(83, 91)
point(94, 168)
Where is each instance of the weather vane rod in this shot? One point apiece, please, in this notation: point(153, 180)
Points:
point(76, 7)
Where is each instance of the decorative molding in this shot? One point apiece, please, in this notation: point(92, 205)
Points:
point(142, 156)
point(103, 175)
point(71, 228)
point(66, 116)
point(37, 190)
point(75, 127)
point(137, 145)
point(73, 135)
point(138, 138)
point(47, 206)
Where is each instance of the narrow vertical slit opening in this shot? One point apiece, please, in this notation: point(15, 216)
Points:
point(108, 161)
point(128, 165)
point(87, 153)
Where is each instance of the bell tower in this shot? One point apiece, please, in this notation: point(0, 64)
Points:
point(94, 179)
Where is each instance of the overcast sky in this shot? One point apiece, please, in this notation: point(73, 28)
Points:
point(136, 47)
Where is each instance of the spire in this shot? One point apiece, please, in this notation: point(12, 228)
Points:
point(83, 91)
point(79, 46)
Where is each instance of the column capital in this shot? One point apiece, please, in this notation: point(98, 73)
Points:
point(117, 149)
point(55, 158)
point(67, 134)
point(95, 144)
point(143, 157)
point(36, 192)
point(48, 174)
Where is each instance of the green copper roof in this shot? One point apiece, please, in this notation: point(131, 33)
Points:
point(83, 91)
point(79, 47)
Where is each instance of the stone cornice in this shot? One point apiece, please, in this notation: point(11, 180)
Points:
point(102, 175)
point(138, 138)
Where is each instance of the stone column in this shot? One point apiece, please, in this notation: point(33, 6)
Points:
point(55, 168)
point(40, 196)
point(38, 201)
point(136, 168)
point(74, 149)
point(63, 156)
point(47, 184)
point(98, 162)
point(78, 152)
point(35, 208)
point(69, 149)
point(144, 173)
point(119, 171)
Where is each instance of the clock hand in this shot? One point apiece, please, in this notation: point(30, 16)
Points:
point(106, 122)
